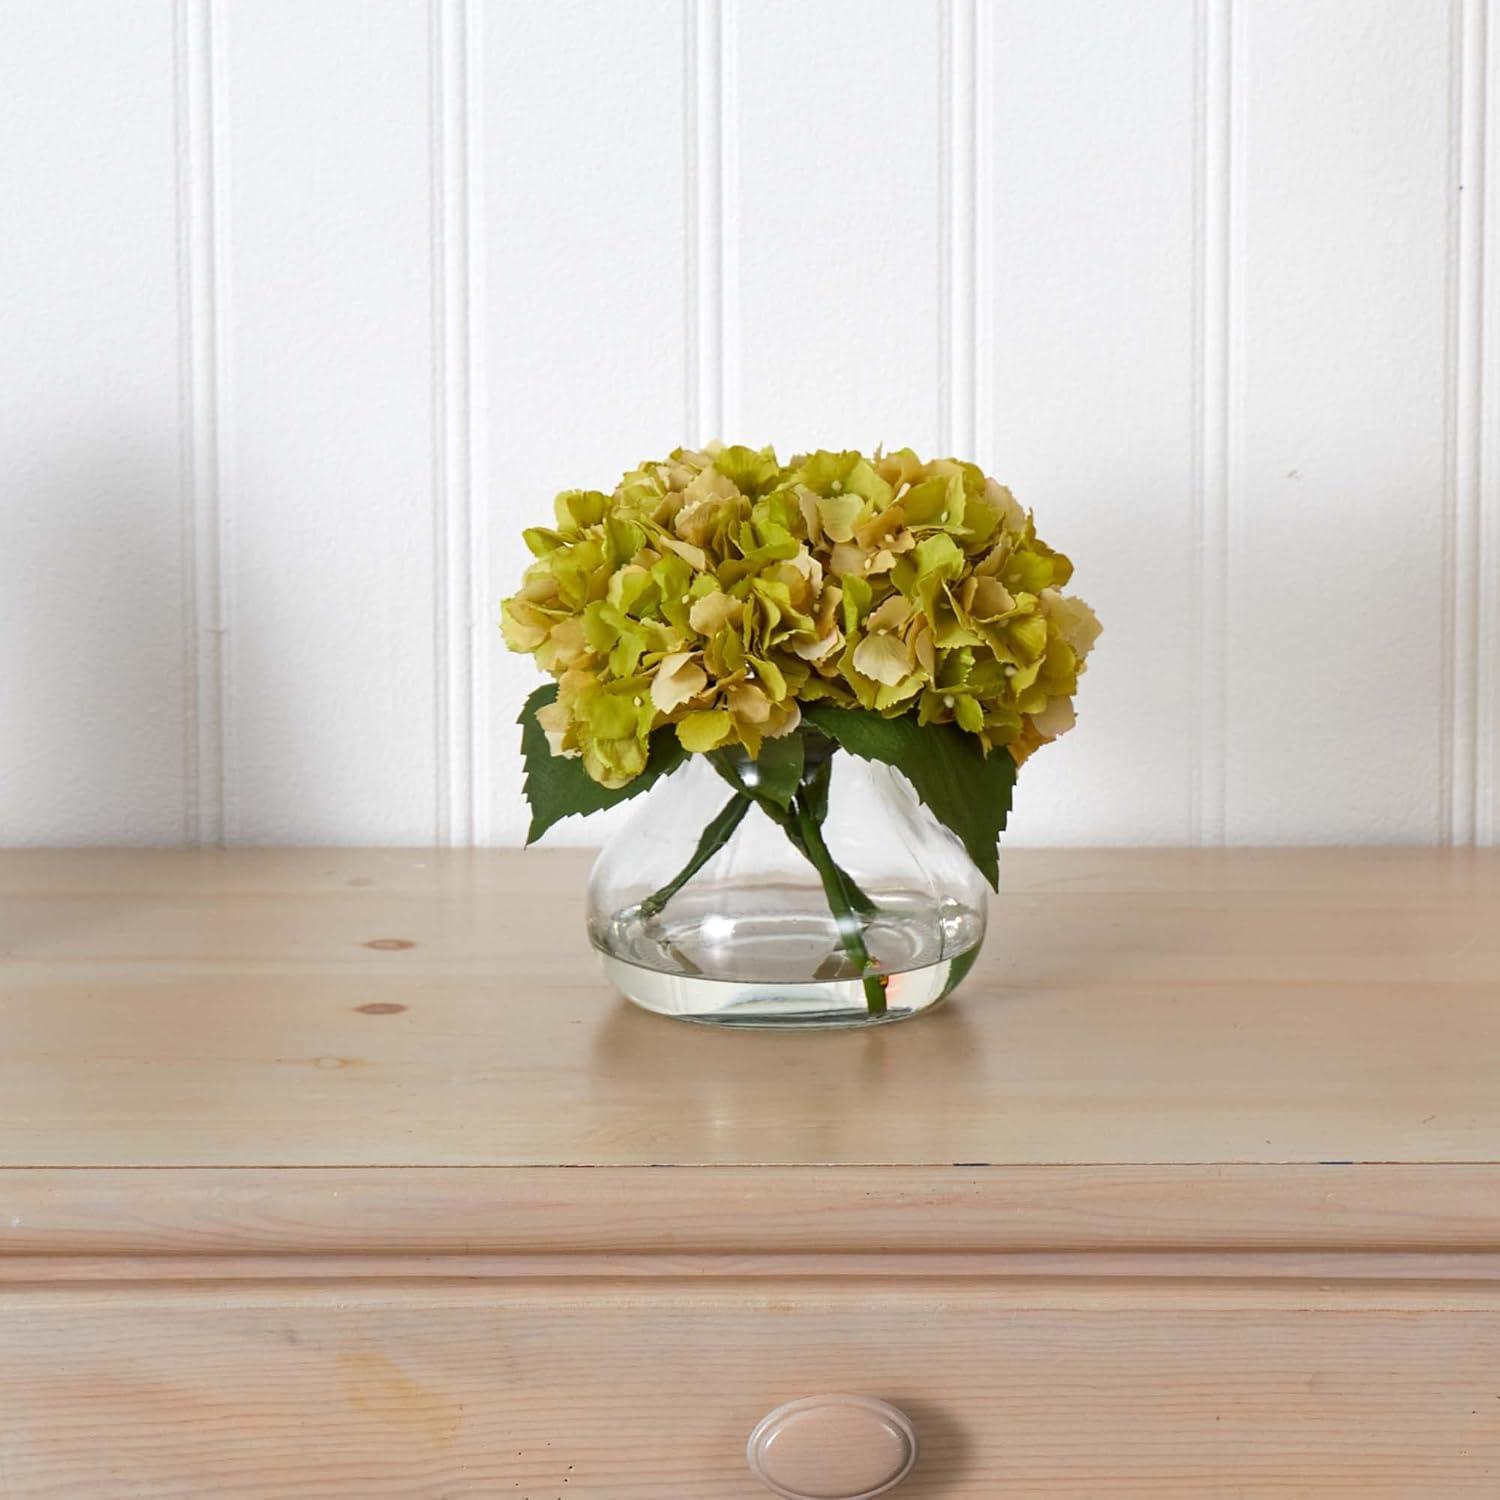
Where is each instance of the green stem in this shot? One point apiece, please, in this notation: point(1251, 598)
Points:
point(837, 893)
point(814, 795)
point(857, 898)
point(801, 819)
point(715, 835)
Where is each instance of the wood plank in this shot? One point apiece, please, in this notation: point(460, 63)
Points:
point(643, 1393)
point(747, 1210)
point(411, 1008)
point(1359, 1278)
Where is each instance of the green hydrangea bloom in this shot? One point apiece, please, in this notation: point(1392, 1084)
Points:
point(717, 590)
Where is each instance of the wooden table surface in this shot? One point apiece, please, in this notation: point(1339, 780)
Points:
point(393, 1008)
point(330, 1173)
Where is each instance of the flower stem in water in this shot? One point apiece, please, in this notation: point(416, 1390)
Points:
point(715, 835)
point(840, 903)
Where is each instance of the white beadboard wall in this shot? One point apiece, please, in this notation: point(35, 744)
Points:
point(308, 306)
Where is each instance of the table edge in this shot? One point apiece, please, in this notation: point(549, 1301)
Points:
point(693, 1210)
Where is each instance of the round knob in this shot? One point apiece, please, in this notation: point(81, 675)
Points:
point(832, 1448)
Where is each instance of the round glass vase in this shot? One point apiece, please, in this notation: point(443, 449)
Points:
point(872, 914)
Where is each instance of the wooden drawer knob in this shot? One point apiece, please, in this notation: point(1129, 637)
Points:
point(832, 1448)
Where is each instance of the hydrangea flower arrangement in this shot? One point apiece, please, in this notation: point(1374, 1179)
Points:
point(721, 603)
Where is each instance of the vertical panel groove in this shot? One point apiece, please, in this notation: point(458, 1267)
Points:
point(1485, 521)
point(482, 609)
point(1464, 448)
point(1213, 401)
point(711, 216)
point(452, 418)
point(958, 145)
point(983, 313)
point(224, 622)
point(729, 226)
point(699, 351)
point(199, 101)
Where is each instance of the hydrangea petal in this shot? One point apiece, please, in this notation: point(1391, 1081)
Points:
point(705, 730)
point(883, 658)
point(679, 678)
point(718, 587)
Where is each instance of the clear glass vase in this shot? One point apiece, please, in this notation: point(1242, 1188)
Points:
point(877, 924)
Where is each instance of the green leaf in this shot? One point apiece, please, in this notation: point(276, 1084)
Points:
point(558, 787)
point(965, 789)
point(772, 776)
point(817, 751)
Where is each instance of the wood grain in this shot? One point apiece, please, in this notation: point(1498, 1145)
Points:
point(1360, 1278)
point(631, 1393)
point(746, 1210)
point(327, 1174)
point(331, 1008)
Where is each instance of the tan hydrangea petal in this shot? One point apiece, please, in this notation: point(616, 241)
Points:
point(807, 503)
point(922, 649)
point(523, 625)
point(1076, 622)
point(1056, 719)
point(708, 483)
point(891, 614)
point(1012, 517)
point(785, 717)
point(987, 598)
point(824, 645)
point(902, 467)
point(849, 557)
point(747, 702)
point(808, 567)
point(882, 658)
point(694, 556)
point(555, 721)
point(713, 612)
point(679, 679)
point(566, 646)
